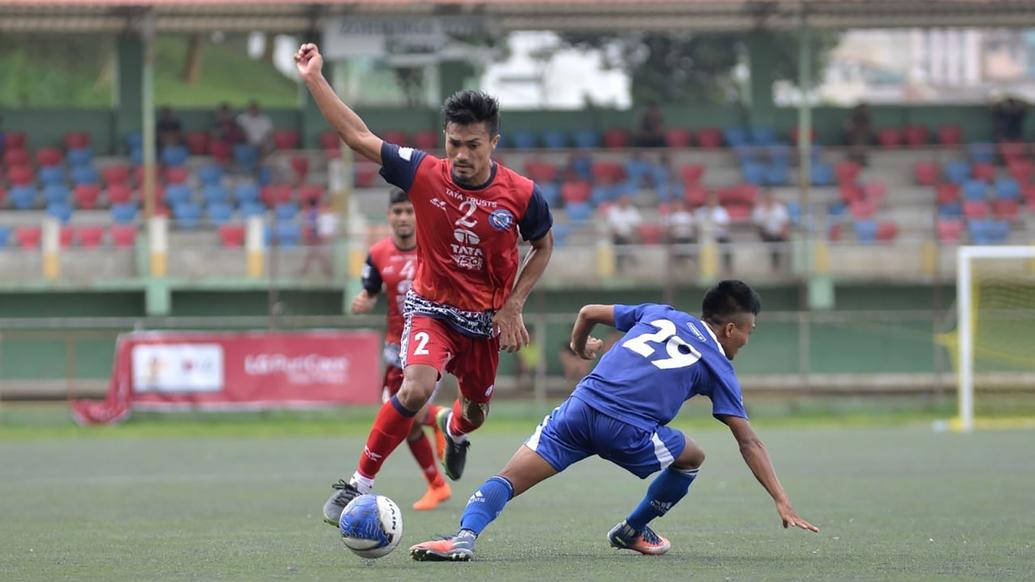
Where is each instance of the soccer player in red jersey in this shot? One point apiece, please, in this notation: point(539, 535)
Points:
point(467, 296)
point(391, 264)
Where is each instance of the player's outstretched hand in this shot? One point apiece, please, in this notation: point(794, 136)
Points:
point(513, 335)
point(308, 60)
point(364, 302)
point(791, 518)
point(593, 346)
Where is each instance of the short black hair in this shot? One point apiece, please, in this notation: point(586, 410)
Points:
point(467, 107)
point(397, 196)
point(729, 299)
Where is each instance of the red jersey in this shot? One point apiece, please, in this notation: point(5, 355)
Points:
point(392, 268)
point(467, 238)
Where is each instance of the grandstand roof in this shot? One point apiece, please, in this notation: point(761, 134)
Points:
point(574, 15)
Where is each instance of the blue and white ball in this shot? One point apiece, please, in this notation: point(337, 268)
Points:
point(371, 526)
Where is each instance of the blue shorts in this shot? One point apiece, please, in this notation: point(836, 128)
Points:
point(574, 431)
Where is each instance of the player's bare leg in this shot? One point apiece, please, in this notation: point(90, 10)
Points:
point(524, 470)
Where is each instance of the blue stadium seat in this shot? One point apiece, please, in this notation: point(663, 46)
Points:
point(836, 209)
point(781, 153)
point(246, 193)
point(583, 167)
point(551, 193)
point(950, 210)
point(957, 171)
point(211, 175)
point(822, 174)
point(524, 140)
point(745, 153)
point(5, 233)
point(763, 136)
point(288, 234)
point(866, 231)
point(579, 212)
point(560, 234)
point(187, 214)
point(134, 141)
point(252, 208)
point(1008, 188)
point(600, 194)
point(754, 173)
point(777, 174)
point(79, 156)
point(60, 210)
point(989, 231)
point(982, 153)
point(555, 139)
point(22, 197)
point(286, 211)
point(56, 193)
point(974, 190)
point(52, 175)
point(178, 194)
point(220, 213)
point(246, 155)
point(85, 175)
point(586, 138)
point(636, 171)
point(264, 177)
point(794, 213)
point(173, 156)
point(124, 213)
point(136, 156)
point(736, 136)
point(214, 193)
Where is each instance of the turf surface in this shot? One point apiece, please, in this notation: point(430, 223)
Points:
point(188, 502)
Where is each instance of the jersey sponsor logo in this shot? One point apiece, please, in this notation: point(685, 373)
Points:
point(467, 237)
point(439, 203)
point(697, 333)
point(501, 219)
point(406, 153)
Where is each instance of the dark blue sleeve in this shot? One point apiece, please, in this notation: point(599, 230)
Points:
point(399, 165)
point(371, 277)
point(626, 316)
point(727, 399)
point(537, 220)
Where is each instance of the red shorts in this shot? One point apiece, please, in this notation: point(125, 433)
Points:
point(430, 342)
point(392, 382)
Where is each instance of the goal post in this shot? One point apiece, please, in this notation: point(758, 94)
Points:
point(995, 326)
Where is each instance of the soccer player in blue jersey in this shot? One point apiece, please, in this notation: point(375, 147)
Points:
point(621, 410)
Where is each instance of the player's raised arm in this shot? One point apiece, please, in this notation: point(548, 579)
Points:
point(344, 120)
point(757, 458)
point(581, 342)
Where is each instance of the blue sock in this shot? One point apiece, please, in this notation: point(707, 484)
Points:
point(663, 493)
point(486, 504)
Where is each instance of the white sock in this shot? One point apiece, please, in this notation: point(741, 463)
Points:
point(364, 484)
point(455, 438)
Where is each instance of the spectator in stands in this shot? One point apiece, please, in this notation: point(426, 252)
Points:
point(681, 230)
point(321, 226)
point(774, 224)
point(257, 128)
point(652, 127)
point(169, 129)
point(527, 360)
point(858, 133)
point(1008, 119)
point(224, 126)
point(622, 220)
point(713, 223)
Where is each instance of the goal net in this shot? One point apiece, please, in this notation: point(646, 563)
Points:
point(996, 336)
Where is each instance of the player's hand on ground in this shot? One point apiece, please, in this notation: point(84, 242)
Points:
point(592, 348)
point(513, 335)
point(364, 302)
point(791, 518)
point(308, 60)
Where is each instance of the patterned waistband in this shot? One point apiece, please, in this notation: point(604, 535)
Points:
point(473, 323)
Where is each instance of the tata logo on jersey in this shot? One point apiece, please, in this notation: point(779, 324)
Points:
point(467, 237)
point(501, 219)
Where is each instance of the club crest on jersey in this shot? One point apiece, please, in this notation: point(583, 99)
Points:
point(501, 219)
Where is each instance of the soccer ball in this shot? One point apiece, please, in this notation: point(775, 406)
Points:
point(371, 526)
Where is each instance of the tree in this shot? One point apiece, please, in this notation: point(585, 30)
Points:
point(694, 67)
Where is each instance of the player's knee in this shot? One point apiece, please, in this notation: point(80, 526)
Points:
point(415, 391)
point(692, 457)
point(475, 412)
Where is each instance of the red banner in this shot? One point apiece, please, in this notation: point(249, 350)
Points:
point(163, 370)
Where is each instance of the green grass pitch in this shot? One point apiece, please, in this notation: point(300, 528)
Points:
point(167, 499)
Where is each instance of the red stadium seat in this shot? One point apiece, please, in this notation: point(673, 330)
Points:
point(575, 192)
point(119, 193)
point(1006, 209)
point(739, 213)
point(949, 230)
point(197, 143)
point(329, 140)
point(616, 138)
point(875, 192)
point(221, 151)
point(20, 175)
point(86, 196)
point(1012, 151)
point(16, 156)
point(976, 209)
point(396, 137)
point(366, 174)
point(851, 192)
point(123, 235)
point(607, 172)
point(862, 209)
point(176, 175)
point(115, 174)
point(847, 171)
point(49, 157)
point(426, 140)
point(540, 172)
point(948, 192)
point(695, 195)
point(77, 140)
point(286, 139)
point(1028, 192)
point(651, 234)
point(950, 135)
point(28, 237)
point(887, 231)
point(300, 166)
point(926, 172)
point(836, 232)
point(275, 194)
point(231, 235)
point(1021, 170)
point(691, 173)
point(309, 192)
point(984, 172)
point(3, 194)
point(90, 236)
point(915, 136)
point(889, 137)
point(709, 137)
point(15, 140)
point(678, 137)
point(65, 236)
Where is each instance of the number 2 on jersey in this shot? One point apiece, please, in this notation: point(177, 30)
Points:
point(681, 354)
point(422, 342)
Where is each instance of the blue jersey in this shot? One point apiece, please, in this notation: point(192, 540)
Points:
point(665, 358)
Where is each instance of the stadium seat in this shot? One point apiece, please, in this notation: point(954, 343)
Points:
point(231, 235)
point(28, 237)
point(134, 140)
point(695, 195)
point(822, 174)
point(15, 140)
point(981, 153)
point(949, 230)
point(875, 192)
point(252, 208)
point(80, 156)
point(176, 175)
point(123, 235)
point(777, 174)
point(22, 197)
point(187, 214)
point(862, 209)
point(586, 139)
point(85, 175)
point(52, 175)
point(678, 138)
point(651, 233)
point(616, 138)
point(847, 171)
point(579, 212)
point(739, 213)
point(115, 174)
point(366, 174)
point(397, 137)
point(983, 171)
point(246, 156)
point(330, 142)
point(49, 157)
point(753, 173)
point(300, 166)
point(709, 137)
point(210, 175)
point(1021, 170)
point(16, 157)
point(197, 143)
point(174, 155)
point(607, 172)
point(1006, 209)
point(976, 209)
point(286, 211)
point(3, 194)
point(124, 213)
point(540, 172)
point(56, 193)
point(887, 231)
point(1007, 188)
point(947, 192)
point(950, 135)
point(5, 235)
point(957, 171)
point(215, 194)
point(926, 172)
point(119, 194)
point(691, 173)
point(866, 231)
point(20, 175)
point(286, 234)
point(551, 192)
point(835, 232)
point(889, 137)
point(555, 139)
point(245, 193)
point(974, 190)
point(915, 135)
point(178, 194)
point(286, 139)
point(950, 210)
point(575, 192)
point(61, 211)
point(763, 136)
point(988, 231)
point(1012, 151)
point(219, 213)
point(89, 236)
point(426, 140)
point(276, 194)
point(794, 135)
point(66, 236)
point(221, 151)
point(736, 136)
point(636, 172)
point(309, 192)
point(1028, 193)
